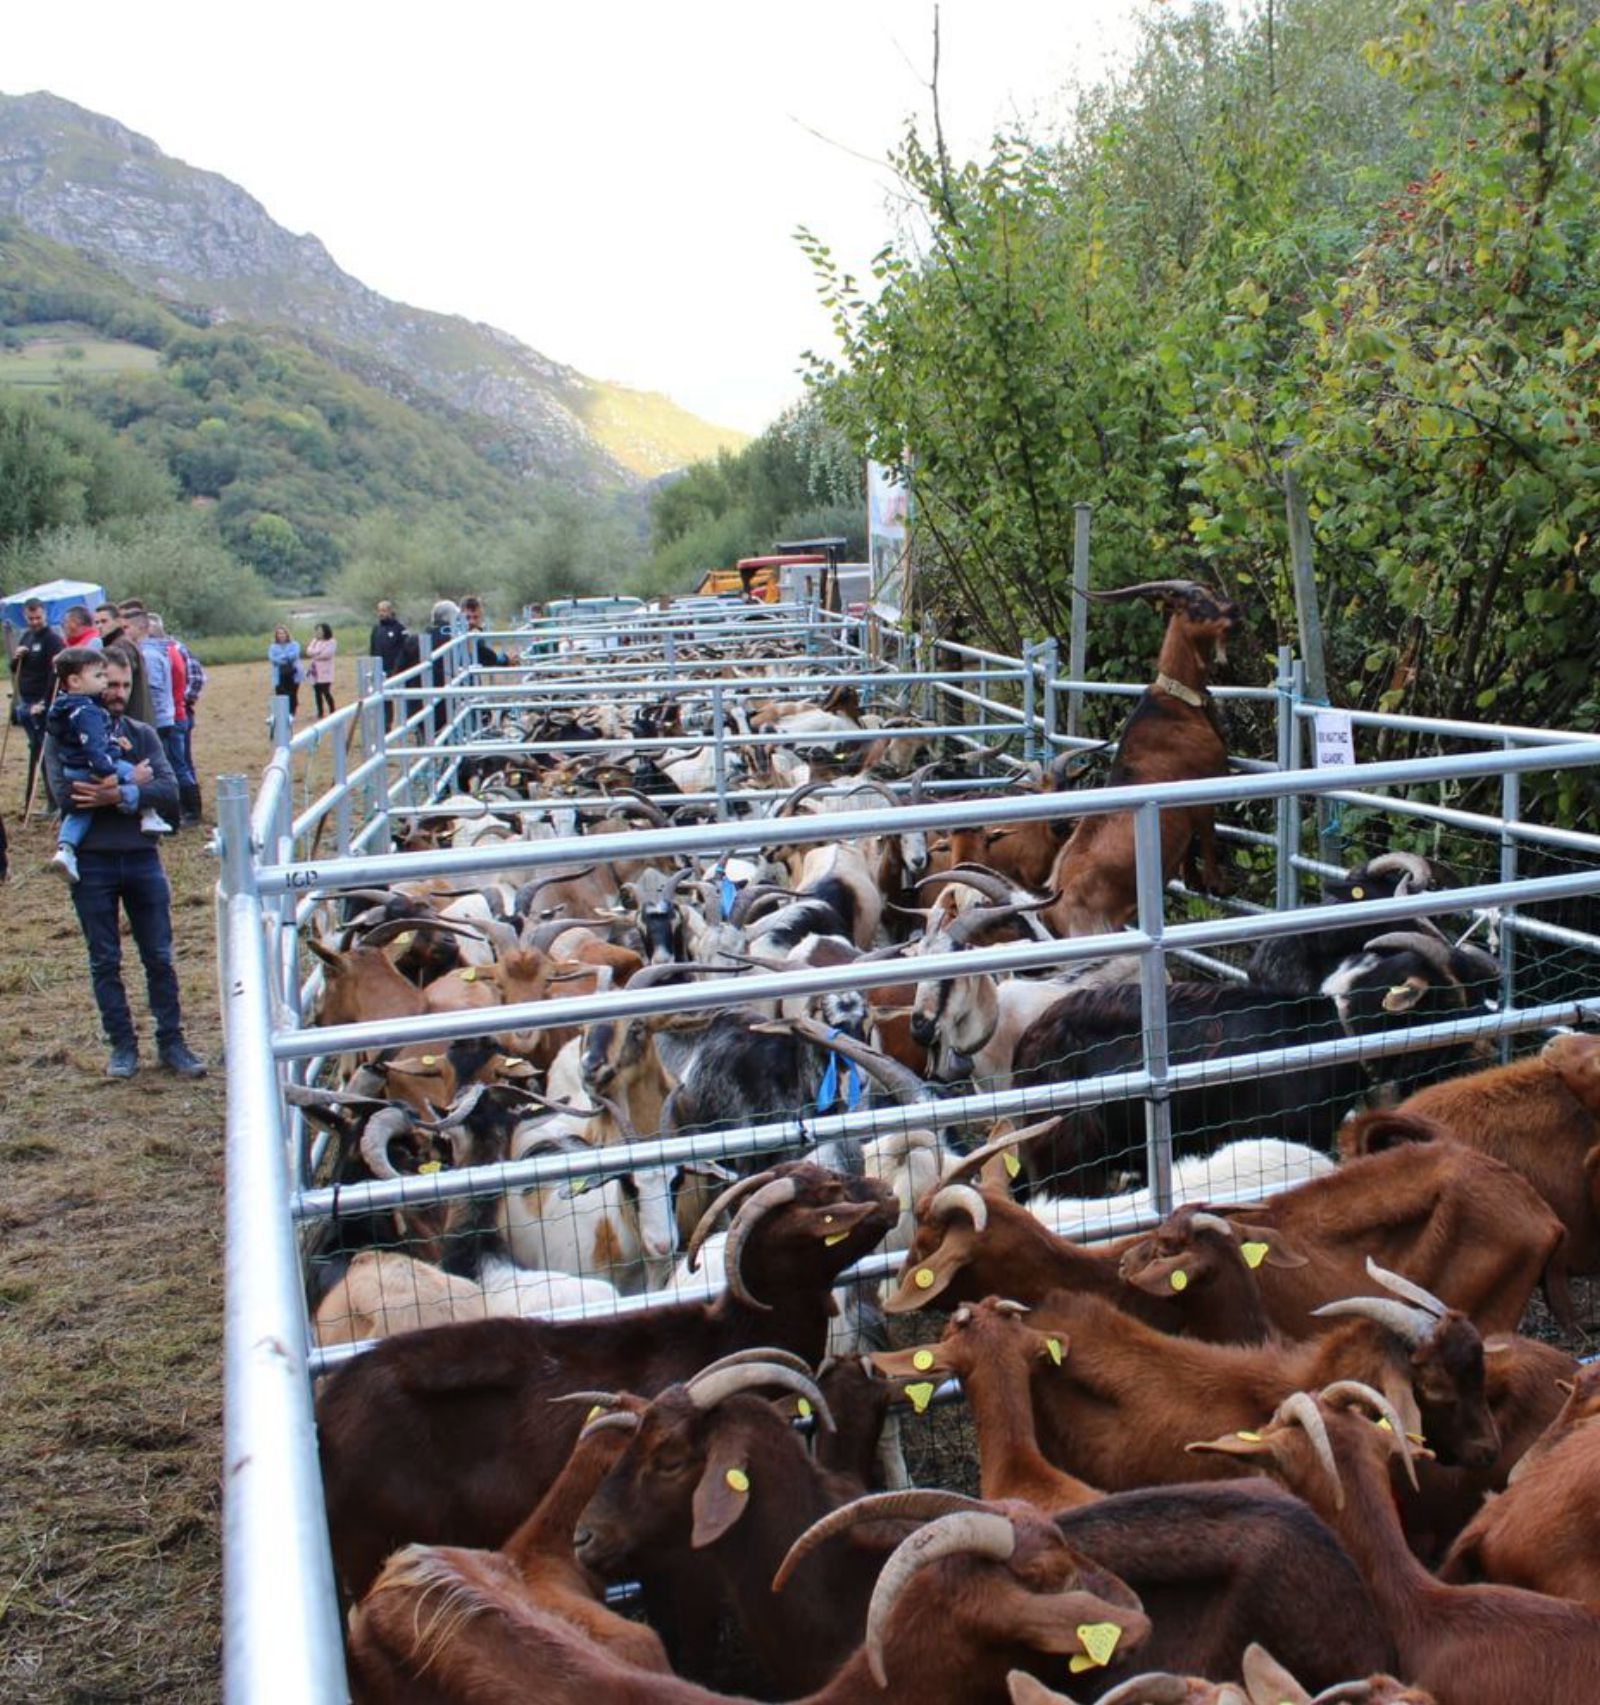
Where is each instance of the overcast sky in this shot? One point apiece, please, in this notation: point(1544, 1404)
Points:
point(616, 183)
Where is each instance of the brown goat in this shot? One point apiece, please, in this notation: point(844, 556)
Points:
point(989, 1349)
point(716, 1483)
point(536, 1567)
point(1121, 1406)
point(1473, 1645)
point(1173, 735)
point(1537, 1115)
point(447, 1436)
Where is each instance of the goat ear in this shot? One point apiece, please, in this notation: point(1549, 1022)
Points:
point(921, 1283)
point(1267, 1246)
point(1168, 1276)
point(1026, 1691)
point(1404, 996)
point(1268, 1682)
point(723, 1494)
point(1253, 1447)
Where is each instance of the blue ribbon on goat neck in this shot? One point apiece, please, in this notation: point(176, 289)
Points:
point(829, 1091)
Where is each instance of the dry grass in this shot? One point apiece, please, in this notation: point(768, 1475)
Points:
point(111, 1285)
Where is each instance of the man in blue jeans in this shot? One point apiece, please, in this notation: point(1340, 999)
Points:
point(119, 868)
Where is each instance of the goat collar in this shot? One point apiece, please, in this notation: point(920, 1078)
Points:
point(1185, 695)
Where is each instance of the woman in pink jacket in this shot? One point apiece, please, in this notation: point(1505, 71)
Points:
point(320, 653)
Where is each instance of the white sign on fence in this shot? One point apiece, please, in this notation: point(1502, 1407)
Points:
point(1336, 744)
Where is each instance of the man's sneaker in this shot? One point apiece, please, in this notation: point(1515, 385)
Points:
point(178, 1057)
point(124, 1061)
point(153, 823)
point(65, 863)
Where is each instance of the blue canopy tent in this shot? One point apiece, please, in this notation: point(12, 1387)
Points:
point(57, 596)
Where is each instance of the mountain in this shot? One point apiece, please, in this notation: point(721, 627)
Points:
point(203, 246)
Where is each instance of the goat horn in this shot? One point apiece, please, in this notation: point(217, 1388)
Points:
point(1404, 1287)
point(620, 1113)
point(461, 1110)
point(544, 936)
point(527, 891)
point(620, 1420)
point(900, 1081)
point(752, 1211)
point(998, 1145)
point(964, 925)
point(653, 974)
point(379, 934)
point(1346, 1693)
point(989, 883)
point(962, 1198)
point(1300, 1407)
point(1407, 864)
point(707, 1390)
point(1148, 589)
point(1433, 948)
point(915, 1503)
point(750, 895)
point(1412, 1326)
point(769, 1354)
point(979, 1533)
point(1343, 1388)
point(308, 1095)
point(604, 1399)
point(1152, 1689)
point(1005, 1305)
point(1211, 1222)
point(379, 1131)
point(734, 1193)
point(803, 791)
point(634, 804)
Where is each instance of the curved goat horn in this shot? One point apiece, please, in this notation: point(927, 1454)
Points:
point(964, 925)
point(900, 1081)
point(376, 1135)
point(915, 1503)
point(767, 1354)
point(1212, 1222)
point(628, 803)
point(525, 894)
point(1149, 589)
point(1300, 1407)
point(803, 791)
point(1412, 1326)
point(980, 1533)
point(989, 883)
point(1432, 948)
point(1415, 872)
point(1152, 1689)
point(1374, 1399)
point(385, 932)
point(734, 1193)
point(959, 1198)
point(1404, 1287)
point(710, 1388)
point(752, 1211)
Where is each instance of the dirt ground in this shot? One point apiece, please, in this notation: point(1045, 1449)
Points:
point(111, 1282)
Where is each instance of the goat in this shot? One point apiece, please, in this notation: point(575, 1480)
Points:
point(1469, 1645)
point(1266, 1682)
point(1173, 734)
point(1399, 979)
point(383, 1292)
point(717, 1481)
point(1217, 1567)
point(1531, 1114)
point(536, 1568)
point(476, 1393)
point(988, 1348)
point(1124, 1399)
point(1540, 1533)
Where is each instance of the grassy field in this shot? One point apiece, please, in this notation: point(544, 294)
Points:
point(111, 1284)
point(52, 354)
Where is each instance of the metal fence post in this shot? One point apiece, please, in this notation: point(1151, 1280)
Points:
point(1050, 652)
point(279, 721)
point(1078, 652)
point(1285, 886)
point(282, 1634)
point(1153, 1000)
point(1030, 748)
point(719, 751)
point(1510, 811)
point(341, 780)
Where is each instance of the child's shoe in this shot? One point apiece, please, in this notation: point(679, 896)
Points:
point(65, 863)
point(151, 822)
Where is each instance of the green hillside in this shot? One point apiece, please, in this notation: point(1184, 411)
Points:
point(290, 451)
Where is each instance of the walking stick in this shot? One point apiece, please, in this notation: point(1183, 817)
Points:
point(5, 743)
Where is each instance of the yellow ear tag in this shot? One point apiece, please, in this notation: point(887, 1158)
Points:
point(1358, 893)
point(803, 1408)
point(922, 1361)
point(1416, 1438)
point(1053, 1345)
point(1383, 1424)
point(923, 1278)
point(1249, 1438)
point(738, 1479)
point(1099, 1644)
point(406, 939)
point(1013, 1165)
point(430, 1059)
point(921, 1395)
point(597, 1410)
point(469, 975)
point(431, 1166)
point(837, 1237)
point(1254, 1253)
point(1179, 1279)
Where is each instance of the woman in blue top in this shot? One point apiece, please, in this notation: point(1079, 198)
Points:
point(284, 656)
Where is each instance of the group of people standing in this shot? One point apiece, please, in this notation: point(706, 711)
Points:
point(108, 704)
point(291, 667)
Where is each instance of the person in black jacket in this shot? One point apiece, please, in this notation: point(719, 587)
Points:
point(387, 643)
point(33, 681)
point(119, 870)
